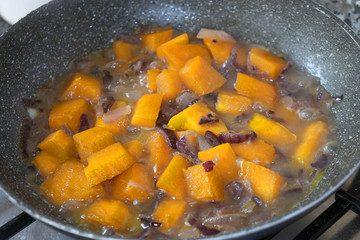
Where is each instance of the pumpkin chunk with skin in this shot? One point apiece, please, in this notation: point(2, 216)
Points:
point(256, 89)
point(232, 102)
point(200, 77)
point(160, 153)
point(92, 140)
point(265, 183)
point(271, 131)
point(266, 62)
point(169, 84)
point(82, 85)
point(190, 117)
point(118, 127)
point(136, 183)
point(257, 151)
point(169, 213)
point(225, 161)
point(108, 163)
point(69, 183)
point(68, 113)
point(46, 163)
point(177, 55)
point(122, 50)
point(151, 77)
point(152, 41)
point(182, 39)
point(135, 148)
point(221, 50)
point(58, 144)
point(172, 179)
point(310, 142)
point(112, 214)
point(204, 186)
point(146, 110)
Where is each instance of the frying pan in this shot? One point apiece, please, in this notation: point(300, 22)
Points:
point(42, 45)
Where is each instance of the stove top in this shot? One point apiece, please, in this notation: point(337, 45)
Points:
point(346, 228)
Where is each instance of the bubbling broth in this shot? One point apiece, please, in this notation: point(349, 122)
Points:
point(166, 135)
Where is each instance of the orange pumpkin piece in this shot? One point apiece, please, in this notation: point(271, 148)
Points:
point(189, 118)
point(46, 163)
point(92, 140)
point(152, 41)
point(135, 148)
point(182, 39)
point(256, 89)
point(281, 111)
point(68, 113)
point(310, 142)
point(122, 50)
point(69, 183)
point(265, 183)
point(151, 77)
point(146, 110)
point(169, 84)
point(257, 151)
point(177, 55)
point(271, 131)
point(266, 62)
point(204, 186)
point(232, 102)
point(172, 179)
point(160, 153)
point(108, 163)
point(112, 214)
point(118, 127)
point(225, 161)
point(200, 77)
point(58, 144)
point(221, 50)
point(135, 184)
point(169, 213)
point(82, 85)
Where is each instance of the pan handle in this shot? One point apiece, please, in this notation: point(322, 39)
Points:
point(15, 225)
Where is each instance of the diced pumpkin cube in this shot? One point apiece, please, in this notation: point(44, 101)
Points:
point(136, 183)
point(232, 102)
point(200, 77)
point(108, 163)
point(146, 110)
point(312, 138)
point(281, 111)
point(160, 153)
point(169, 213)
point(257, 151)
point(122, 50)
point(221, 50)
point(265, 183)
point(172, 179)
point(256, 89)
point(68, 113)
point(169, 84)
point(118, 127)
point(225, 161)
point(204, 186)
point(271, 131)
point(135, 148)
point(189, 119)
point(112, 214)
point(177, 55)
point(266, 62)
point(58, 144)
point(69, 183)
point(151, 77)
point(46, 163)
point(92, 140)
point(82, 85)
point(182, 39)
point(152, 41)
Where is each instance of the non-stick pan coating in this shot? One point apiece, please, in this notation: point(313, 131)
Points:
point(42, 45)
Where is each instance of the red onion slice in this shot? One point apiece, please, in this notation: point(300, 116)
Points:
point(215, 34)
point(114, 115)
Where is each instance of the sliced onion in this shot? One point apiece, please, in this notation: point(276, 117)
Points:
point(114, 115)
point(215, 34)
point(220, 220)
